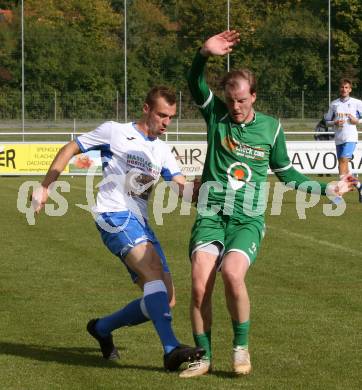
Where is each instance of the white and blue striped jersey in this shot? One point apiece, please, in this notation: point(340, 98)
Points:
point(131, 164)
point(340, 109)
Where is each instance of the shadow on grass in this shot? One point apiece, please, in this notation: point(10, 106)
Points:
point(77, 356)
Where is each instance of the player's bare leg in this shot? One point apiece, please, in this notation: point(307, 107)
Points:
point(203, 279)
point(234, 268)
point(343, 168)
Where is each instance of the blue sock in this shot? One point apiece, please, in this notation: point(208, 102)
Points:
point(132, 314)
point(156, 301)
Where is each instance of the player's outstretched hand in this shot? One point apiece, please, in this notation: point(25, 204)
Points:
point(341, 187)
point(220, 44)
point(39, 198)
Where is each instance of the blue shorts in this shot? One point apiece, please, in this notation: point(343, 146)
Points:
point(124, 232)
point(346, 150)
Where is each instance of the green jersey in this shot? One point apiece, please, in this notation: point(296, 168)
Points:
point(239, 155)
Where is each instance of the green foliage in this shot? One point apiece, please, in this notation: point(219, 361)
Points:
point(151, 42)
point(9, 55)
point(74, 46)
point(7, 4)
point(289, 54)
point(205, 24)
point(347, 32)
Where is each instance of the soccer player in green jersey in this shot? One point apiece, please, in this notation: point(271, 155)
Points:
point(242, 144)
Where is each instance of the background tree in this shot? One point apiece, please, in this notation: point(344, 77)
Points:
point(75, 48)
point(347, 33)
point(152, 50)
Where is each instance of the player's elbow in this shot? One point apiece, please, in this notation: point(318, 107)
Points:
point(68, 150)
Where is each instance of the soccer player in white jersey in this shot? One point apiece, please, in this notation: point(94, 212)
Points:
point(133, 158)
point(344, 114)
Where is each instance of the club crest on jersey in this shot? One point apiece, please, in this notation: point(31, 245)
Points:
point(238, 174)
point(243, 150)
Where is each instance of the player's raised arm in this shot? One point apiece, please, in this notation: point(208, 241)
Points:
point(40, 195)
point(220, 44)
point(204, 98)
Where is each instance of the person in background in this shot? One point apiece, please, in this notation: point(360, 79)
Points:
point(344, 114)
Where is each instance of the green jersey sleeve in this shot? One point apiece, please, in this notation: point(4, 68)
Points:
point(210, 106)
point(282, 167)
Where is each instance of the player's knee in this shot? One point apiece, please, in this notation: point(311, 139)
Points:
point(154, 267)
point(235, 291)
point(232, 280)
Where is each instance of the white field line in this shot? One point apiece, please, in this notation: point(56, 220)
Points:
point(343, 249)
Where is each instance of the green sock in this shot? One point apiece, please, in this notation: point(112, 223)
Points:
point(204, 340)
point(241, 333)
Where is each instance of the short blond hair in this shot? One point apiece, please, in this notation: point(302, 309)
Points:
point(231, 79)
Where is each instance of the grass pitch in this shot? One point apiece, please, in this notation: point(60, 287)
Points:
point(305, 289)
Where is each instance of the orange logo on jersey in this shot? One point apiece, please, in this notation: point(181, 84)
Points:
point(243, 150)
point(230, 143)
point(239, 174)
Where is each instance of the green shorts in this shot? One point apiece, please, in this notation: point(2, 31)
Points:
point(242, 236)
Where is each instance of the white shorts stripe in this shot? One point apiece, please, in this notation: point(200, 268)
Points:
point(205, 244)
point(239, 251)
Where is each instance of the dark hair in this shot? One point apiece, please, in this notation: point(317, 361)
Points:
point(160, 91)
point(345, 81)
point(231, 79)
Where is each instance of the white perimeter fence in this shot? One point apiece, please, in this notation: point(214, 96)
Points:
point(33, 155)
